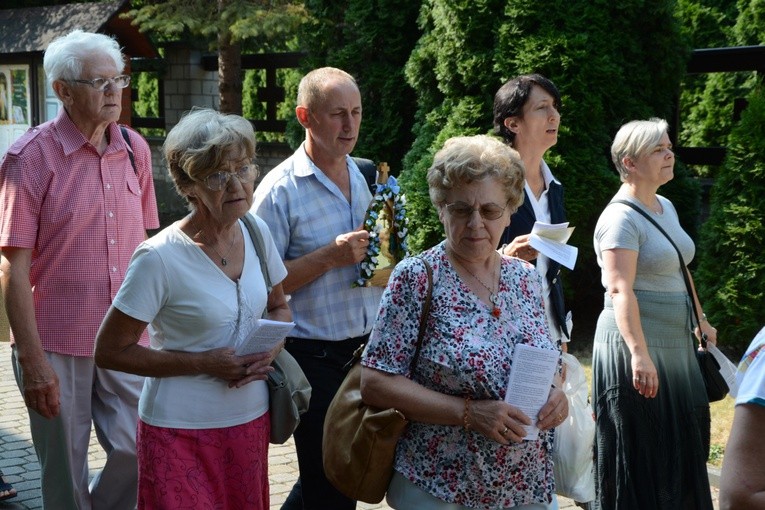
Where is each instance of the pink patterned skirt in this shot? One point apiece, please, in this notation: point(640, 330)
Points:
point(220, 469)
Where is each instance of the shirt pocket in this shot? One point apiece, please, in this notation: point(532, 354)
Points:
point(133, 197)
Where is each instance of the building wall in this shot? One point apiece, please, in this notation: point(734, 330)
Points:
point(188, 85)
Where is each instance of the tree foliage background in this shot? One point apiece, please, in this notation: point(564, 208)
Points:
point(428, 70)
point(731, 268)
point(371, 40)
point(469, 48)
point(225, 26)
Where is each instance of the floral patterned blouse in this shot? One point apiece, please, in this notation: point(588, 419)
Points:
point(466, 352)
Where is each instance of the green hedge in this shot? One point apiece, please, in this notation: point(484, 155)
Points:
point(731, 272)
point(608, 72)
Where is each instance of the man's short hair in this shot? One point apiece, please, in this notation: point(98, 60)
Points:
point(311, 91)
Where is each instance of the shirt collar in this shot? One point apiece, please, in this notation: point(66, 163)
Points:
point(72, 139)
point(305, 166)
point(547, 175)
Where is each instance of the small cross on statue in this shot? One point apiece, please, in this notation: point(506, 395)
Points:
point(382, 173)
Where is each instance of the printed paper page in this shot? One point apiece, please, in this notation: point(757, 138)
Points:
point(531, 377)
point(264, 336)
point(550, 240)
point(559, 232)
point(564, 254)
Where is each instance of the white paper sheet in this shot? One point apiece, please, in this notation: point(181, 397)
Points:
point(550, 240)
point(530, 379)
point(264, 336)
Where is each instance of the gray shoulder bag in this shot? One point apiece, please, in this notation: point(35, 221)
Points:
point(289, 392)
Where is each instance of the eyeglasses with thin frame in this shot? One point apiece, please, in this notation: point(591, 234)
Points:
point(100, 84)
point(219, 180)
point(463, 211)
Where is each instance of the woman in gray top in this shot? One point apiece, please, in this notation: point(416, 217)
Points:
point(649, 398)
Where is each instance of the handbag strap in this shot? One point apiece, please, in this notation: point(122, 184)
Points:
point(260, 249)
point(420, 333)
point(683, 267)
point(423, 317)
point(126, 136)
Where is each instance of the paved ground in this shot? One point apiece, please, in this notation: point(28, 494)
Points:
point(19, 463)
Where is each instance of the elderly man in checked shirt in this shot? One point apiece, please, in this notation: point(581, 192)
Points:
point(314, 203)
point(74, 208)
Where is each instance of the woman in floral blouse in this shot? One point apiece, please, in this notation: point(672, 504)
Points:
point(464, 446)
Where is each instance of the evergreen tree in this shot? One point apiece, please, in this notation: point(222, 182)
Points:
point(608, 71)
point(225, 25)
point(371, 40)
point(731, 272)
point(706, 109)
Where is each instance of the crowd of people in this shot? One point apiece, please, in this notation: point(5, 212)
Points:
point(135, 336)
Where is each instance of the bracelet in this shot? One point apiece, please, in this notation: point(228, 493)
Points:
point(465, 417)
point(703, 318)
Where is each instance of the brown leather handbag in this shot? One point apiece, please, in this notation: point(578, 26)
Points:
point(359, 443)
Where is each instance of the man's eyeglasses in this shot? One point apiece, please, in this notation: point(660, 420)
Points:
point(219, 180)
point(100, 84)
point(464, 211)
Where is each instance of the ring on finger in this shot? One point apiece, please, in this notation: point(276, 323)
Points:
point(504, 431)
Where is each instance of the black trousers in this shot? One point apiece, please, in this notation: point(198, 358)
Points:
point(324, 364)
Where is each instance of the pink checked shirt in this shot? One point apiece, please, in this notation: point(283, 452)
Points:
point(83, 215)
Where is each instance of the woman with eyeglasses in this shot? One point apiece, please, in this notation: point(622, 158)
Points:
point(527, 117)
point(465, 446)
point(204, 426)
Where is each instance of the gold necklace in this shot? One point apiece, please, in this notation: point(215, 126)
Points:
point(495, 311)
point(223, 258)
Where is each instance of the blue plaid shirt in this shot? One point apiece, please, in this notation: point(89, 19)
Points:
point(305, 210)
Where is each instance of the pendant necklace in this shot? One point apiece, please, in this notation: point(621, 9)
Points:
point(223, 259)
point(495, 311)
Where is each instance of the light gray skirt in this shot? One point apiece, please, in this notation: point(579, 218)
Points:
point(651, 453)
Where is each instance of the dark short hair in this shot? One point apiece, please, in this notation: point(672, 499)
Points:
point(513, 96)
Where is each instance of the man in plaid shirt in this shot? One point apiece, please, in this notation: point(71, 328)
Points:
point(74, 207)
point(314, 204)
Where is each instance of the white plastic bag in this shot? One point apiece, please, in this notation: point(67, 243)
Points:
point(727, 369)
point(572, 449)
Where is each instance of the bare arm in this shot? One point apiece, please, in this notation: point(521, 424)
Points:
point(742, 484)
point(346, 249)
point(41, 385)
point(117, 348)
point(619, 268)
point(704, 327)
point(278, 309)
point(417, 403)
